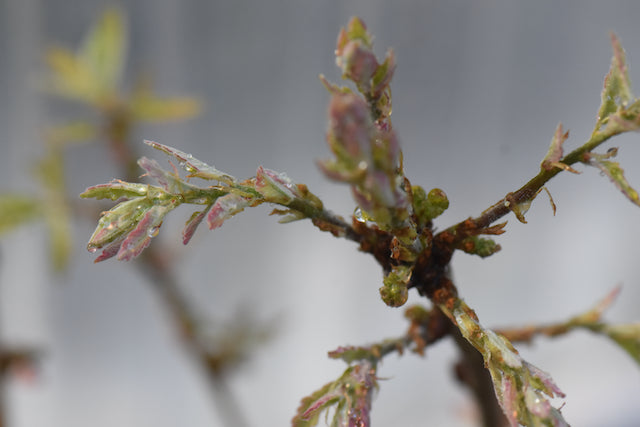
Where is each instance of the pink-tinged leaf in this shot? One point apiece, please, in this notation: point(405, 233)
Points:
point(110, 251)
point(383, 75)
point(225, 207)
point(357, 30)
point(333, 88)
point(617, 86)
point(193, 166)
point(506, 393)
point(337, 172)
point(543, 381)
point(358, 64)
point(614, 172)
point(521, 388)
point(118, 222)
point(276, 187)
point(115, 190)
point(311, 406)
point(351, 394)
point(623, 123)
point(140, 237)
point(620, 71)
point(192, 224)
point(555, 149)
point(351, 129)
point(155, 172)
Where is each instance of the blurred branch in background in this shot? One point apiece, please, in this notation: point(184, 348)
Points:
point(92, 76)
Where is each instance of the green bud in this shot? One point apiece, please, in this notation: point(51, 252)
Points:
point(395, 291)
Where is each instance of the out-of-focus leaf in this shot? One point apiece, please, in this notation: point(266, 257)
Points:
point(58, 219)
point(55, 209)
point(78, 131)
point(145, 106)
point(312, 406)
point(617, 86)
point(626, 336)
point(333, 88)
point(614, 172)
point(69, 77)
point(104, 50)
point(357, 30)
point(383, 75)
point(17, 210)
point(552, 159)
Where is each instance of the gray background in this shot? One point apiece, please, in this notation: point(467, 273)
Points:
point(479, 90)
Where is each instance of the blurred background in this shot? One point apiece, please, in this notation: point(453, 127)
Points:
point(479, 89)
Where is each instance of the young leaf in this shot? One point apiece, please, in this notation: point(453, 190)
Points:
point(617, 86)
point(276, 187)
point(115, 190)
point(147, 228)
point(351, 394)
point(521, 388)
point(626, 336)
point(192, 224)
point(614, 172)
point(225, 207)
point(118, 222)
point(195, 167)
point(312, 406)
point(552, 159)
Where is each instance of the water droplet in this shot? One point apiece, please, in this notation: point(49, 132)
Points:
point(359, 215)
point(92, 249)
point(153, 231)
